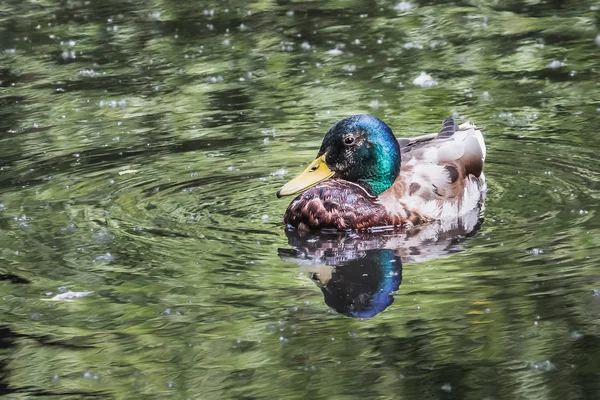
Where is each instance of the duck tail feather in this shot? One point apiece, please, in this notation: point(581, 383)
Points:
point(449, 126)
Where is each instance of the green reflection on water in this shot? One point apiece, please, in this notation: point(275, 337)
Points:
point(141, 145)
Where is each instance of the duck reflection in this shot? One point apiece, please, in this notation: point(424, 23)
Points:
point(358, 273)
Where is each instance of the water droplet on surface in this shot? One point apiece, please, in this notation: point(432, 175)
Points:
point(556, 64)
point(543, 365)
point(403, 6)
point(424, 80)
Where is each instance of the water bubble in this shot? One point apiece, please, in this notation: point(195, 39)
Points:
point(335, 52)
point(104, 257)
point(424, 80)
point(535, 251)
point(71, 295)
point(214, 79)
point(446, 387)
point(403, 6)
point(576, 335)
point(374, 104)
point(412, 45)
point(556, 64)
point(279, 172)
point(543, 365)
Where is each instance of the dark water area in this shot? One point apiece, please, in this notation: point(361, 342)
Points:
point(142, 248)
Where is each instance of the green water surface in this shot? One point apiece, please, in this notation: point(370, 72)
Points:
point(141, 146)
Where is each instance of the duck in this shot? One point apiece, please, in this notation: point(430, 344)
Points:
point(364, 178)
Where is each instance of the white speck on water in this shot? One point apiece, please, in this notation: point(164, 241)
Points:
point(543, 365)
point(556, 64)
point(10, 51)
point(412, 45)
point(305, 45)
point(424, 80)
point(535, 251)
point(88, 72)
point(596, 293)
point(446, 387)
point(374, 104)
point(335, 52)
point(357, 41)
point(576, 335)
point(403, 6)
point(232, 168)
point(68, 55)
point(155, 15)
point(264, 218)
point(349, 68)
point(279, 172)
point(214, 79)
point(268, 132)
point(71, 295)
point(485, 95)
point(226, 42)
point(105, 257)
point(112, 103)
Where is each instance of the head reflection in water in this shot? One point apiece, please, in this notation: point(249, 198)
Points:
point(362, 287)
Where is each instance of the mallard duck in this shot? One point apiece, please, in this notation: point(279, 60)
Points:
point(364, 178)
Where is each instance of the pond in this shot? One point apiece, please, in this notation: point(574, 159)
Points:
point(142, 248)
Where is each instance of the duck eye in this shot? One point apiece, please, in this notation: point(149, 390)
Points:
point(348, 140)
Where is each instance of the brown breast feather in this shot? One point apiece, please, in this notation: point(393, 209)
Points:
point(340, 205)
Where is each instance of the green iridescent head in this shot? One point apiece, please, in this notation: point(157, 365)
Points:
point(360, 149)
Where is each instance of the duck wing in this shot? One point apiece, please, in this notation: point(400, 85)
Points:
point(441, 174)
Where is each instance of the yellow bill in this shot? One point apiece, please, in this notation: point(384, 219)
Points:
point(316, 172)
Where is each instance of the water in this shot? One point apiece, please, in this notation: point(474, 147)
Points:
point(142, 253)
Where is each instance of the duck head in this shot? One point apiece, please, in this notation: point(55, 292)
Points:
point(360, 149)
